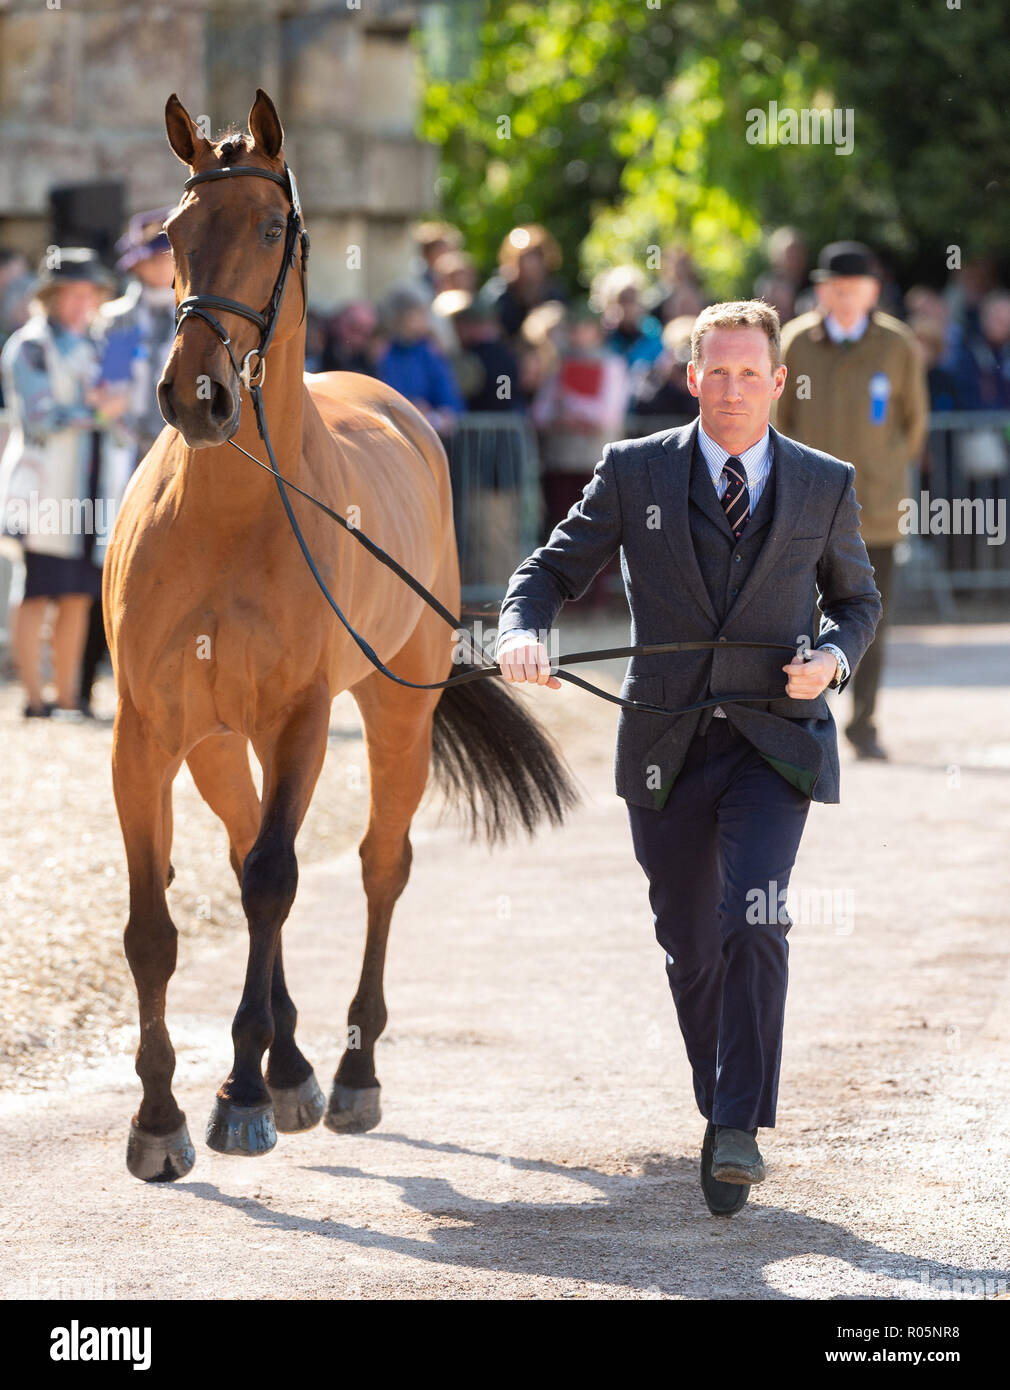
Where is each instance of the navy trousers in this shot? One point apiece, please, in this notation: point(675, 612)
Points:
point(730, 826)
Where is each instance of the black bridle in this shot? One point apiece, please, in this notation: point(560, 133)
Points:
point(199, 306)
point(295, 236)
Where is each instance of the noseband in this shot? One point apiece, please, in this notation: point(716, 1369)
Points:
point(200, 305)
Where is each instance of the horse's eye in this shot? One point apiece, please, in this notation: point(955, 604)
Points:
point(274, 232)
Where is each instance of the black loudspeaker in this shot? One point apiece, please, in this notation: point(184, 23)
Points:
point(88, 214)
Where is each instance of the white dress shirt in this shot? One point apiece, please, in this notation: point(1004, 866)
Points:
point(838, 334)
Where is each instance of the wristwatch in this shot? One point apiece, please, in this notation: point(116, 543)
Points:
point(843, 665)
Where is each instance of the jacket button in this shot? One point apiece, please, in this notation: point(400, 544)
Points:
point(722, 639)
point(738, 558)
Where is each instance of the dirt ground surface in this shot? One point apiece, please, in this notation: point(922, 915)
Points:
point(539, 1137)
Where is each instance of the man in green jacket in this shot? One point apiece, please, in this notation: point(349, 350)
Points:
point(856, 388)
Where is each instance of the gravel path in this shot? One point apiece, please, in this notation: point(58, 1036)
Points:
point(539, 1136)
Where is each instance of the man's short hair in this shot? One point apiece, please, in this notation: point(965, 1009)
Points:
point(739, 313)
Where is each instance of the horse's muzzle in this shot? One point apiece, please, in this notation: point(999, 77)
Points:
point(205, 416)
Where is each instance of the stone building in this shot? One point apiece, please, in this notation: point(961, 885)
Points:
point(83, 85)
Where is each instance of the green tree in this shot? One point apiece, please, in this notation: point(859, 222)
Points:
point(623, 126)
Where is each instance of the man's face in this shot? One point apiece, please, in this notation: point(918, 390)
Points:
point(848, 297)
point(735, 384)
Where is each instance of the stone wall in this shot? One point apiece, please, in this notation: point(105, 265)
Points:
point(82, 92)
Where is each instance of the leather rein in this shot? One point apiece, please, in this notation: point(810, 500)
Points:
point(252, 378)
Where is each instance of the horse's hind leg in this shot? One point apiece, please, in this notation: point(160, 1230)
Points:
point(160, 1148)
point(243, 1118)
point(398, 735)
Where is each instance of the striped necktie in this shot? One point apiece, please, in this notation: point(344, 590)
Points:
point(736, 498)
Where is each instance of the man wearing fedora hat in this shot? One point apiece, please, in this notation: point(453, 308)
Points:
point(856, 388)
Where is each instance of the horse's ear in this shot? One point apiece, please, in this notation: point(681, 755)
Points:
point(183, 135)
point(265, 125)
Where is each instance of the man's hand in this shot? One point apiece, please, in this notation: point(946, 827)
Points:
point(808, 678)
point(522, 659)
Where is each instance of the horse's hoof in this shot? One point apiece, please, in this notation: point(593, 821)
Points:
point(298, 1107)
point(353, 1111)
point(159, 1157)
point(241, 1129)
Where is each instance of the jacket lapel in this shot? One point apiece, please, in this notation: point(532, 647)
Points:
point(670, 476)
point(703, 494)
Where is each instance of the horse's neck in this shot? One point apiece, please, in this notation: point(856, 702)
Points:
point(229, 485)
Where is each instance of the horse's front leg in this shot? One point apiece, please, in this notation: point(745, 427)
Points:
point(298, 1101)
point(242, 1120)
point(159, 1148)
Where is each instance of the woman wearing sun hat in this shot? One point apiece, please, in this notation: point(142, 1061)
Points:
point(59, 475)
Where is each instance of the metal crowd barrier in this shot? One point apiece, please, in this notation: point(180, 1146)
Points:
point(494, 465)
point(964, 476)
point(958, 504)
point(959, 491)
point(498, 504)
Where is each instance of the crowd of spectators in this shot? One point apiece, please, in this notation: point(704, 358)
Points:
point(499, 345)
point(582, 370)
point(591, 369)
point(516, 341)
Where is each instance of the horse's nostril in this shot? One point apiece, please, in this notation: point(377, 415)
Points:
point(165, 401)
point(222, 404)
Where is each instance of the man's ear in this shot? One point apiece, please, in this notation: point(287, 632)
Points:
point(780, 380)
point(692, 379)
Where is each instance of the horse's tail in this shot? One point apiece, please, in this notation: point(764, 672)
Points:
point(495, 760)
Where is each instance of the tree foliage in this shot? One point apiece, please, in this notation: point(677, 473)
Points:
point(622, 125)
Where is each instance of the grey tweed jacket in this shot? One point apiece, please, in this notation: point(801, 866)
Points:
point(687, 578)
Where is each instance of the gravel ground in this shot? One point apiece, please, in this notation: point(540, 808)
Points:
point(539, 1137)
point(65, 990)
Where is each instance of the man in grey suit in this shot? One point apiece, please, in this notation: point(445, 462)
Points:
point(728, 532)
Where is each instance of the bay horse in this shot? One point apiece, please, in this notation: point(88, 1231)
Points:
point(221, 640)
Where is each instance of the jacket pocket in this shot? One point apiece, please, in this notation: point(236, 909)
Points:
point(787, 708)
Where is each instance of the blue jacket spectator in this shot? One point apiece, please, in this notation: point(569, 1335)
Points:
point(412, 365)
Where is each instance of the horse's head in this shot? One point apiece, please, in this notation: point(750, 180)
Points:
point(228, 236)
